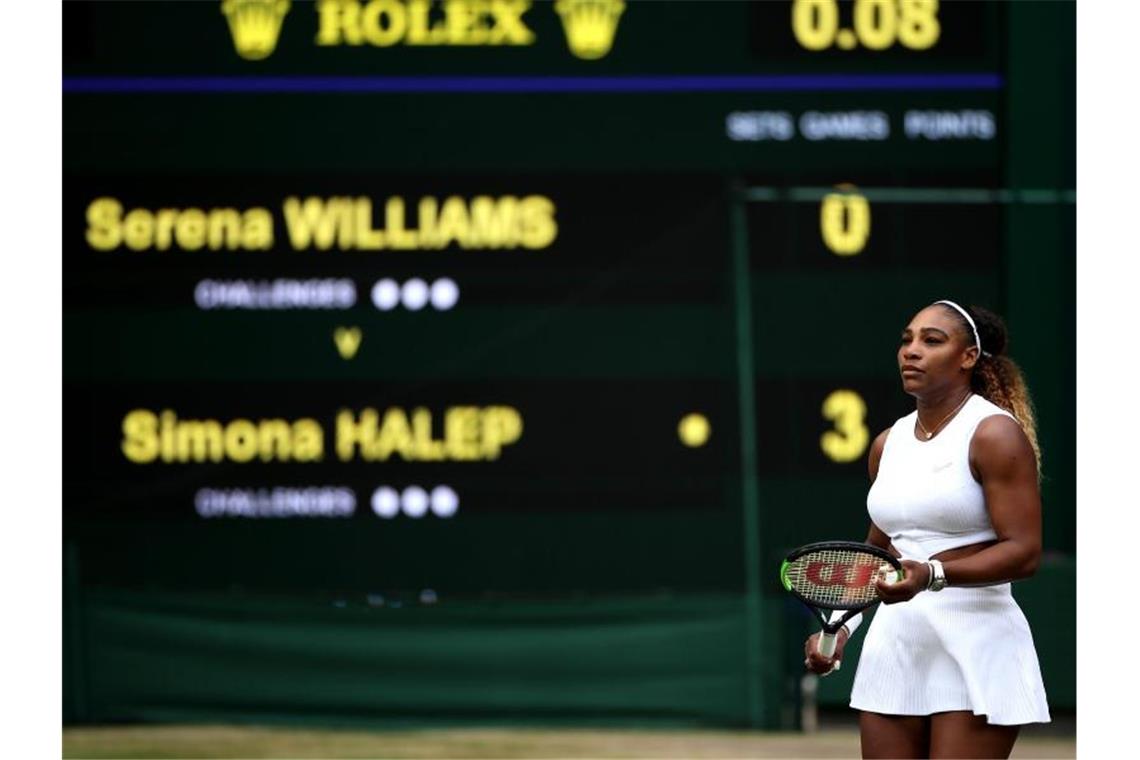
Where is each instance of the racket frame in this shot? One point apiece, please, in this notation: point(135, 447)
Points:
point(827, 639)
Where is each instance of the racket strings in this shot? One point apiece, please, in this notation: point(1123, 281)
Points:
point(835, 577)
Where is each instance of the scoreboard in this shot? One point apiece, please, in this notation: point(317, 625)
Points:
point(499, 296)
point(395, 85)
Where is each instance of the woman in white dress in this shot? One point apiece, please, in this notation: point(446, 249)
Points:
point(949, 668)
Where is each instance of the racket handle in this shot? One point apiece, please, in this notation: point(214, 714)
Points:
point(826, 643)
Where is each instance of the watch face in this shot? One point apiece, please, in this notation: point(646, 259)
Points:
point(939, 581)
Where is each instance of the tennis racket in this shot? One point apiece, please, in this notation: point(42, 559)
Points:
point(837, 575)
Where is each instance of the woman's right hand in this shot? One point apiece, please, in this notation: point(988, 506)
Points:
point(816, 662)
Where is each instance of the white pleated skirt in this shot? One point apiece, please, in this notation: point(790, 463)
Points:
point(956, 649)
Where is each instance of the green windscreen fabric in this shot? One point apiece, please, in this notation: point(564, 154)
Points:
point(201, 657)
point(671, 660)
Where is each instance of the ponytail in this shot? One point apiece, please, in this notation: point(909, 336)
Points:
point(999, 380)
point(996, 377)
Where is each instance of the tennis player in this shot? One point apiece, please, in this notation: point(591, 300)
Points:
point(949, 668)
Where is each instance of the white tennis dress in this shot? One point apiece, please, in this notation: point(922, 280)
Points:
point(959, 648)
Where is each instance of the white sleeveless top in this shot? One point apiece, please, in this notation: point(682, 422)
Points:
point(924, 496)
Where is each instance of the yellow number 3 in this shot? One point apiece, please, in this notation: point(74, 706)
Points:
point(847, 442)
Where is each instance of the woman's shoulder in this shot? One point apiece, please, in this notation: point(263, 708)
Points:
point(995, 429)
point(903, 422)
point(900, 428)
point(983, 405)
point(1000, 439)
point(979, 409)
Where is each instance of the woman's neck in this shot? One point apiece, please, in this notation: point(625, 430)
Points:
point(935, 408)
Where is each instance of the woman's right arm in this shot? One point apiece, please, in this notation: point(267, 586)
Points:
point(813, 660)
point(876, 537)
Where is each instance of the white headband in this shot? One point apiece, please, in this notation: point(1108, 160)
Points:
point(970, 320)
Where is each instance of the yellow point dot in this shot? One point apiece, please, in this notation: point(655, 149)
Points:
point(694, 430)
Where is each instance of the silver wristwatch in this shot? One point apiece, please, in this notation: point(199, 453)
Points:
point(937, 576)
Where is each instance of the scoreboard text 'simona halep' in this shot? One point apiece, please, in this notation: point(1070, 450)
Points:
point(507, 295)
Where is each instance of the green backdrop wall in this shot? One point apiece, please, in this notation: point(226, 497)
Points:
point(646, 282)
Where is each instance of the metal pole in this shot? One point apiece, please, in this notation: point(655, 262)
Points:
point(745, 378)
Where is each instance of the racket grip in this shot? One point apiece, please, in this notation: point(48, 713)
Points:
point(826, 643)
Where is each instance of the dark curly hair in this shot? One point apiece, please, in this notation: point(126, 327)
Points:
point(996, 377)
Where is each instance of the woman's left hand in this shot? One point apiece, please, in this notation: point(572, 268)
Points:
point(917, 575)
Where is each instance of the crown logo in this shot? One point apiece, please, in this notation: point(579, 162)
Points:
point(590, 25)
point(255, 25)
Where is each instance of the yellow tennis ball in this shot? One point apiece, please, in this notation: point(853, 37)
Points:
point(888, 574)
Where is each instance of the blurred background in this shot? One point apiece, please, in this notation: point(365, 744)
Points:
point(474, 363)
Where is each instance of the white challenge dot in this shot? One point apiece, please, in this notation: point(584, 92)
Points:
point(415, 294)
point(385, 502)
point(414, 501)
point(444, 293)
point(444, 501)
point(386, 294)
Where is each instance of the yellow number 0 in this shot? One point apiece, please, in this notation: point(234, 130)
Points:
point(815, 22)
point(875, 23)
point(847, 442)
point(845, 222)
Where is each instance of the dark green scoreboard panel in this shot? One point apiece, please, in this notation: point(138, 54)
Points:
point(523, 354)
point(499, 297)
